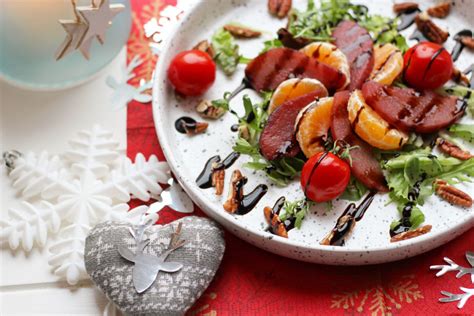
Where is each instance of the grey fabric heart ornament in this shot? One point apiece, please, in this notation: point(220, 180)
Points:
point(171, 293)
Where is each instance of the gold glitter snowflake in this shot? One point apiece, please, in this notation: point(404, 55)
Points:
point(379, 300)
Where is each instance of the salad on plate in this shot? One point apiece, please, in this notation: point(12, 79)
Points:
point(347, 108)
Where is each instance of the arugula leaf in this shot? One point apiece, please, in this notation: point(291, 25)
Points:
point(462, 92)
point(465, 131)
point(295, 210)
point(273, 43)
point(251, 124)
point(222, 103)
point(354, 190)
point(384, 30)
point(317, 23)
point(406, 169)
point(226, 51)
point(420, 166)
point(244, 60)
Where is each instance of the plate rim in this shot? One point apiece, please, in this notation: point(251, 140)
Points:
point(420, 241)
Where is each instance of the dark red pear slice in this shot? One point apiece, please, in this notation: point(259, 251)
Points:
point(278, 136)
point(365, 167)
point(268, 70)
point(356, 43)
point(410, 111)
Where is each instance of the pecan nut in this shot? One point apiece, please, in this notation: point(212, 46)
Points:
point(236, 192)
point(206, 109)
point(467, 41)
point(452, 194)
point(241, 31)
point(345, 223)
point(459, 77)
point(276, 225)
point(452, 149)
point(218, 175)
point(194, 129)
point(411, 233)
point(204, 46)
point(279, 8)
point(440, 10)
point(429, 29)
point(404, 7)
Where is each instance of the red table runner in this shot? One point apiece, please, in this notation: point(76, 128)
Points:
point(251, 281)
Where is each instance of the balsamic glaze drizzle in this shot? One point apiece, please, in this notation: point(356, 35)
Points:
point(316, 165)
point(354, 214)
point(418, 36)
point(204, 180)
point(470, 70)
point(245, 84)
point(405, 223)
point(185, 123)
point(249, 201)
point(458, 48)
point(407, 19)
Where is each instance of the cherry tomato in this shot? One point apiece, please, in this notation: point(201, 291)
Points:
point(192, 72)
point(324, 177)
point(427, 66)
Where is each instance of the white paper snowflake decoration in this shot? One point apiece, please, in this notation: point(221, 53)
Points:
point(67, 195)
point(158, 28)
point(124, 92)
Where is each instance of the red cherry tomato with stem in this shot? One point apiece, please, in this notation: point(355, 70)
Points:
point(192, 72)
point(324, 177)
point(427, 66)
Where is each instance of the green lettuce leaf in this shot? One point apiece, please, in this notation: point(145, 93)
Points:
point(226, 51)
point(465, 131)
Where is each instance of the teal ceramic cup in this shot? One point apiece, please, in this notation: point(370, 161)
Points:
point(30, 35)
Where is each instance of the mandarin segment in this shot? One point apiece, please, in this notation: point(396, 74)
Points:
point(293, 88)
point(371, 127)
point(312, 126)
point(388, 64)
point(329, 54)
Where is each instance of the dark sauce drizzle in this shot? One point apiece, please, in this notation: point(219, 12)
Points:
point(245, 84)
point(316, 165)
point(405, 223)
point(249, 201)
point(185, 123)
point(355, 213)
point(204, 180)
point(432, 59)
point(407, 18)
point(418, 36)
point(470, 70)
point(458, 48)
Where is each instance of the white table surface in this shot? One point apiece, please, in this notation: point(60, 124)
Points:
point(36, 121)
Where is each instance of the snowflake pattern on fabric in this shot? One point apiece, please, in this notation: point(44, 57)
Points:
point(379, 300)
point(65, 196)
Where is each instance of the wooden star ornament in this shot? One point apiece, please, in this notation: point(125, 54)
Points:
point(75, 31)
point(98, 19)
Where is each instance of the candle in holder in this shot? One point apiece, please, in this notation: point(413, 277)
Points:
point(30, 34)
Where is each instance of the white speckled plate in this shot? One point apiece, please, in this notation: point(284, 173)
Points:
point(370, 241)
